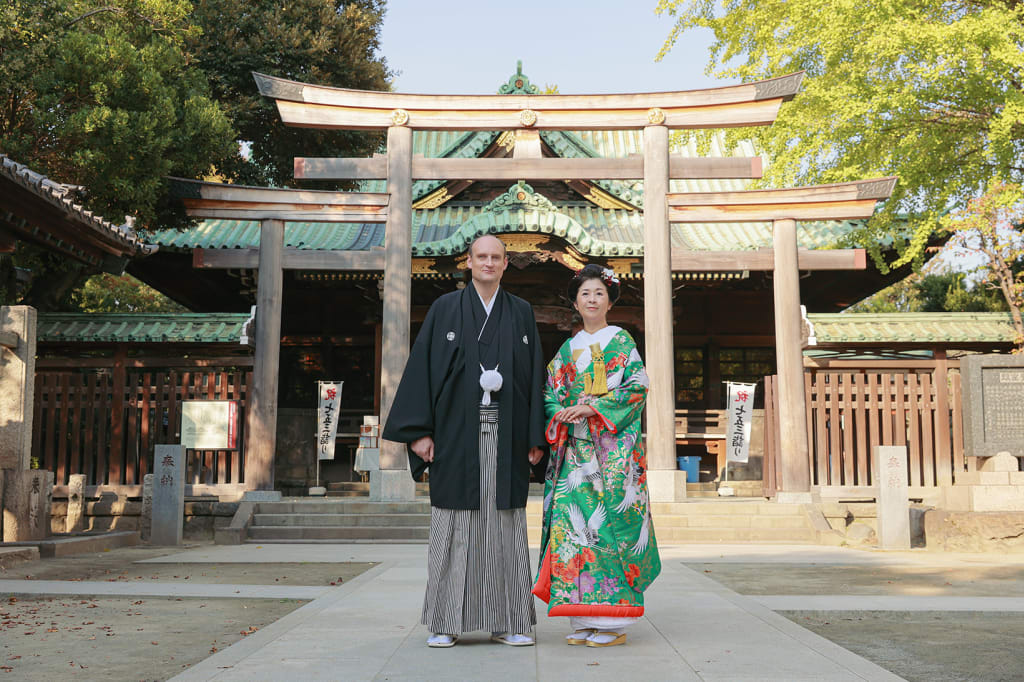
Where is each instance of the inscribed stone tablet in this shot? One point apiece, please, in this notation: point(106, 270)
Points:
point(993, 399)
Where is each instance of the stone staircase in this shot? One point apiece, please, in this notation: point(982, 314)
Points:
point(339, 520)
point(726, 520)
point(361, 489)
point(356, 519)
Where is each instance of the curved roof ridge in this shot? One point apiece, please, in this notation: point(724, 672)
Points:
point(521, 209)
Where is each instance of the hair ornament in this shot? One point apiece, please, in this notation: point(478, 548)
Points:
point(608, 277)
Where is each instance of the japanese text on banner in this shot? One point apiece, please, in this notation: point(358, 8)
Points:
point(327, 418)
point(740, 413)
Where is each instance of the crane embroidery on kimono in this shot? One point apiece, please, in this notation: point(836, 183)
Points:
point(589, 472)
point(630, 487)
point(585, 534)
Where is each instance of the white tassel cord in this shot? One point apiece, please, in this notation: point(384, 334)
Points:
point(490, 381)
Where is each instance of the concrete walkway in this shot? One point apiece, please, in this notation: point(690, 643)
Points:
point(696, 628)
point(367, 629)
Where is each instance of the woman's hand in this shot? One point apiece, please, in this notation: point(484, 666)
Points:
point(575, 414)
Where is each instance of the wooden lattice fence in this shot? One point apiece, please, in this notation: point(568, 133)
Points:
point(851, 409)
point(102, 417)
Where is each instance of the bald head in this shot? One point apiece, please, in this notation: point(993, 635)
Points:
point(489, 239)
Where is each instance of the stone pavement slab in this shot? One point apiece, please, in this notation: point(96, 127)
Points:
point(846, 602)
point(368, 629)
point(160, 589)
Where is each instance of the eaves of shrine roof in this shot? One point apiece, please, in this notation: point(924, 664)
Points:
point(140, 327)
point(55, 208)
point(876, 329)
point(448, 230)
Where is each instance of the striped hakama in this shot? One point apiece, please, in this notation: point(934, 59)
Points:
point(478, 566)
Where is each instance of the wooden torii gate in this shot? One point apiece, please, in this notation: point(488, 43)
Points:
point(315, 106)
point(783, 208)
point(272, 207)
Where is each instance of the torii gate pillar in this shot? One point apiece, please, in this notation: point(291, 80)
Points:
point(392, 482)
point(795, 463)
point(261, 422)
point(665, 481)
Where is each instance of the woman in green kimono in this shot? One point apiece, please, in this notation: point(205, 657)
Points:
point(598, 552)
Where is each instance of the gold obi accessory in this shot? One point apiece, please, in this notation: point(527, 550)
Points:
point(598, 384)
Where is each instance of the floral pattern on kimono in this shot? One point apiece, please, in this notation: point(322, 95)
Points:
point(598, 551)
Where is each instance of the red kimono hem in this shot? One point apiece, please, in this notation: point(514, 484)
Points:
point(605, 610)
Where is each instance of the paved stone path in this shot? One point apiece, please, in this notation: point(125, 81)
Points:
point(160, 589)
point(848, 602)
point(695, 628)
point(368, 629)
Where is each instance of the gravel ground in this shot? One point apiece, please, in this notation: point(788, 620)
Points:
point(147, 638)
point(928, 646)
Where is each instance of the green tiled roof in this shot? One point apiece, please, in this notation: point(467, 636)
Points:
point(244, 234)
point(829, 328)
point(616, 228)
point(923, 328)
point(140, 327)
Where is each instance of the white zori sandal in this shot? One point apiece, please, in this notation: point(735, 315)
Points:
point(579, 637)
point(606, 638)
point(441, 641)
point(512, 640)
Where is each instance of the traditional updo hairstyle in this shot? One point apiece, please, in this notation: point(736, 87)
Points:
point(592, 271)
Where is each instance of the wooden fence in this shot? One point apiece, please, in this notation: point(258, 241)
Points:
point(102, 417)
point(853, 406)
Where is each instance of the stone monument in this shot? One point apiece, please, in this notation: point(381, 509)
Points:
point(168, 495)
point(993, 397)
point(993, 388)
point(25, 494)
point(893, 497)
point(75, 520)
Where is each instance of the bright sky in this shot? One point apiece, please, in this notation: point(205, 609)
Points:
point(582, 46)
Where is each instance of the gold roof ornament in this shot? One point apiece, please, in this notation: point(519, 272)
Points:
point(528, 117)
point(507, 140)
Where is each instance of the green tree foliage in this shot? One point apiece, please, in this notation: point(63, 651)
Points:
point(930, 91)
point(104, 97)
point(992, 226)
point(106, 293)
point(933, 292)
point(329, 42)
point(115, 95)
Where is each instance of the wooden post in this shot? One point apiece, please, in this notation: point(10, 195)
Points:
point(117, 417)
point(661, 436)
point(796, 473)
point(397, 283)
point(261, 438)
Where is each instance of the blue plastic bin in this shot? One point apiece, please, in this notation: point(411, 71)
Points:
point(691, 465)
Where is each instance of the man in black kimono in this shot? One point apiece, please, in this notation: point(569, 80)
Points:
point(470, 408)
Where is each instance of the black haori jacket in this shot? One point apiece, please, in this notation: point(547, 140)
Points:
point(439, 396)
